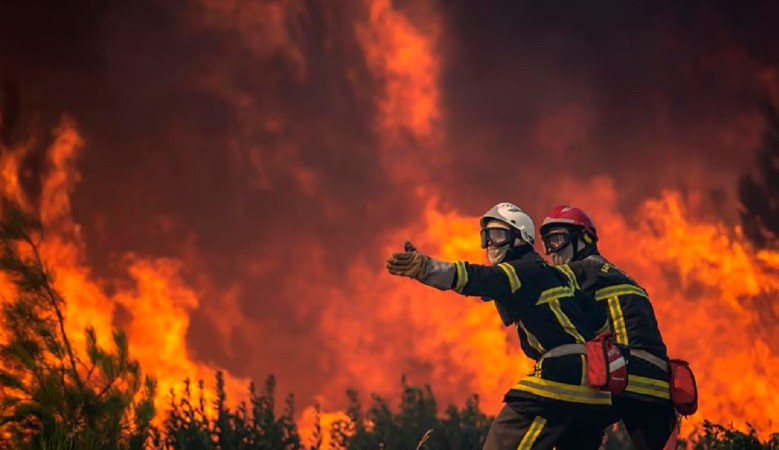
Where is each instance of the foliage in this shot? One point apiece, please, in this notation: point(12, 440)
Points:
point(718, 437)
point(189, 424)
point(52, 395)
point(379, 427)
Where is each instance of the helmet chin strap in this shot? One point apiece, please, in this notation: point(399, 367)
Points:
point(575, 246)
point(561, 257)
point(575, 250)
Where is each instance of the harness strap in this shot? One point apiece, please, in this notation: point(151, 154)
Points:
point(650, 358)
point(565, 350)
point(581, 349)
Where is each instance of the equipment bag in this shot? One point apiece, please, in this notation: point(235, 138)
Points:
point(606, 366)
point(684, 390)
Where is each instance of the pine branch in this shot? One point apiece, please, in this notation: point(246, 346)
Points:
point(54, 301)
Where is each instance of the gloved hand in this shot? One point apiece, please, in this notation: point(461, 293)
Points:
point(409, 263)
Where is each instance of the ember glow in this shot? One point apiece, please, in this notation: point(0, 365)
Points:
point(225, 186)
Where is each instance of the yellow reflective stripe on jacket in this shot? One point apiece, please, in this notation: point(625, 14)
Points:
point(565, 322)
point(618, 290)
point(532, 433)
point(648, 386)
point(566, 269)
point(618, 321)
point(531, 339)
point(584, 370)
point(554, 293)
point(462, 276)
point(563, 391)
point(512, 275)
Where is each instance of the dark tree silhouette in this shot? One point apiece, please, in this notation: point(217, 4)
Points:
point(9, 111)
point(759, 193)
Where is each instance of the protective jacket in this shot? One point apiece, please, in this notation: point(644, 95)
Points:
point(632, 320)
point(548, 312)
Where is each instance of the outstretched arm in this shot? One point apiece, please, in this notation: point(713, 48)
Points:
point(468, 279)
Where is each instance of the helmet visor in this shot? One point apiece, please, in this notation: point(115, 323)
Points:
point(495, 237)
point(554, 242)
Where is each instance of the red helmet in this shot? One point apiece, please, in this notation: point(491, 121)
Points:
point(569, 215)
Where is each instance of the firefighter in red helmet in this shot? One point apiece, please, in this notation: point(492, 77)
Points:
point(570, 238)
point(547, 408)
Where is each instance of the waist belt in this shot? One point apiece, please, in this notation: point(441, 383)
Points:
point(581, 349)
point(565, 350)
point(648, 357)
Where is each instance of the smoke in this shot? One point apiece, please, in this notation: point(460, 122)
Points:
point(651, 95)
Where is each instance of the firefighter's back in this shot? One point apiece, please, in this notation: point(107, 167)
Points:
point(645, 406)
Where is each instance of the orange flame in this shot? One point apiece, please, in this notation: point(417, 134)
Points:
point(402, 56)
point(403, 60)
point(158, 306)
point(309, 420)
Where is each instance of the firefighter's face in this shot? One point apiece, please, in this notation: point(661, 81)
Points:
point(495, 237)
point(558, 243)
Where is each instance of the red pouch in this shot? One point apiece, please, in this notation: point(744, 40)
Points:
point(684, 390)
point(606, 365)
point(597, 373)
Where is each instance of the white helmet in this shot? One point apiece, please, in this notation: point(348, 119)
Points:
point(514, 217)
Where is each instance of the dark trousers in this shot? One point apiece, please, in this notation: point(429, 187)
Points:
point(648, 423)
point(537, 423)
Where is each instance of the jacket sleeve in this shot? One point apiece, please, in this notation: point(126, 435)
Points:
point(496, 282)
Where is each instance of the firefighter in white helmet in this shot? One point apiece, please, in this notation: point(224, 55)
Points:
point(545, 409)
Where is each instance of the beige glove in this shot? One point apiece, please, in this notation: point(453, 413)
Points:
point(410, 263)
